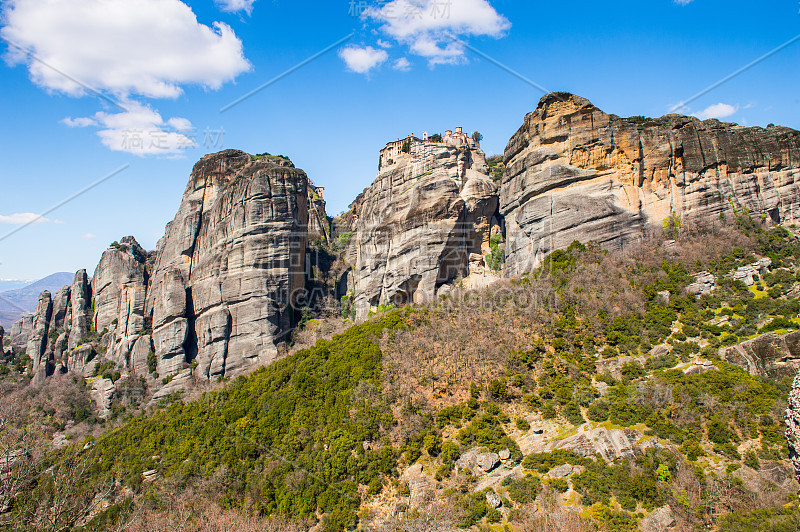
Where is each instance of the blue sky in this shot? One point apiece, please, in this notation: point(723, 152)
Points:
point(170, 66)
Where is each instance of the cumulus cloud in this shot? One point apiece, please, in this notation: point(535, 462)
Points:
point(233, 6)
point(144, 47)
point(22, 218)
point(90, 236)
point(362, 60)
point(402, 64)
point(718, 110)
point(139, 130)
point(431, 28)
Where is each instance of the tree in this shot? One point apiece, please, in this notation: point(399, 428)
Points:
point(477, 137)
point(436, 137)
point(406, 147)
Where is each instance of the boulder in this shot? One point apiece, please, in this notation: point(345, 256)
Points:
point(493, 499)
point(660, 520)
point(103, 394)
point(562, 471)
point(488, 461)
point(574, 172)
point(704, 283)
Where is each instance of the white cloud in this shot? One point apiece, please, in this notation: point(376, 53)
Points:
point(384, 44)
point(78, 122)
point(683, 2)
point(140, 130)
point(145, 47)
point(89, 236)
point(402, 64)
point(718, 110)
point(233, 6)
point(362, 60)
point(21, 218)
point(429, 27)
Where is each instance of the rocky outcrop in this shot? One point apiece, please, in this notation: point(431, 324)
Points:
point(37, 347)
point(81, 309)
point(229, 265)
point(61, 308)
point(119, 287)
point(769, 355)
point(319, 227)
point(2, 341)
point(792, 421)
point(21, 331)
point(103, 395)
point(574, 172)
point(611, 444)
point(661, 520)
point(416, 226)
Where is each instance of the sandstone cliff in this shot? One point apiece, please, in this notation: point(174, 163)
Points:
point(574, 172)
point(420, 223)
point(229, 264)
point(217, 297)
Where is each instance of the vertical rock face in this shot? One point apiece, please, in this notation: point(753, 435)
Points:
point(319, 228)
point(2, 339)
point(229, 264)
point(417, 224)
point(61, 303)
point(37, 343)
point(792, 420)
point(119, 286)
point(574, 172)
point(81, 309)
point(21, 331)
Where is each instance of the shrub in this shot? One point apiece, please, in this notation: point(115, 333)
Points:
point(523, 490)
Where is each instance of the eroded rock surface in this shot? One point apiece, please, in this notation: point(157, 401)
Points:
point(229, 264)
point(416, 226)
point(769, 355)
point(119, 288)
point(37, 343)
point(574, 172)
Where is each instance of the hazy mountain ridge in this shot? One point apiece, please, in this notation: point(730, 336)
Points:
point(18, 301)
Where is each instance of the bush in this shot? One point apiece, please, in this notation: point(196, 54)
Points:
point(523, 490)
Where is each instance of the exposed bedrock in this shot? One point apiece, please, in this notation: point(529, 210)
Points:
point(574, 172)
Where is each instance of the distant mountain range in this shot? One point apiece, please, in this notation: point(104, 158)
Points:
point(20, 301)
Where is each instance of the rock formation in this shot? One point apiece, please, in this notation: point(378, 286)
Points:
point(225, 281)
point(417, 226)
point(119, 287)
point(769, 355)
point(81, 315)
point(319, 228)
point(229, 264)
point(38, 348)
point(574, 172)
point(21, 331)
